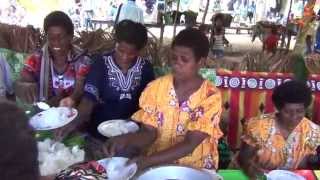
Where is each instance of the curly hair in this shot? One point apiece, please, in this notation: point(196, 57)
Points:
point(131, 33)
point(194, 39)
point(19, 153)
point(58, 18)
point(291, 92)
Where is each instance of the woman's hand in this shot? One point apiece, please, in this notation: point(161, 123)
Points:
point(116, 145)
point(142, 162)
point(27, 91)
point(61, 133)
point(254, 168)
point(67, 102)
point(249, 161)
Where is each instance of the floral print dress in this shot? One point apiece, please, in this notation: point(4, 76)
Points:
point(201, 112)
point(274, 148)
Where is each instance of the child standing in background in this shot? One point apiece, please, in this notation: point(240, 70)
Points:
point(271, 42)
point(218, 38)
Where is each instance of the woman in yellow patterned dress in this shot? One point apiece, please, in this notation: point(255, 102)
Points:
point(179, 113)
point(284, 140)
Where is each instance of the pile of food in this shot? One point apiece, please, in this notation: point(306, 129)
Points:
point(55, 156)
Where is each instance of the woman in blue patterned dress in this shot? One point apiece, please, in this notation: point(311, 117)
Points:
point(116, 80)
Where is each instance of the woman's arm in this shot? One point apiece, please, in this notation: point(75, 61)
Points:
point(75, 97)
point(145, 137)
point(78, 90)
point(140, 140)
point(180, 150)
point(246, 160)
point(85, 109)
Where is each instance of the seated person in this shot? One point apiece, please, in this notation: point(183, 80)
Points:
point(179, 113)
point(19, 152)
point(58, 70)
point(116, 80)
point(270, 44)
point(283, 140)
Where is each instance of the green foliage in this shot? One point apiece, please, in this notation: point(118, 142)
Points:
point(300, 70)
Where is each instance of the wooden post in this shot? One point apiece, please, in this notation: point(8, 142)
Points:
point(161, 34)
point(286, 33)
point(175, 20)
point(205, 12)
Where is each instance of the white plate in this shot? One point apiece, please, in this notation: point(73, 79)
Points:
point(116, 168)
point(117, 127)
point(53, 118)
point(282, 174)
point(176, 172)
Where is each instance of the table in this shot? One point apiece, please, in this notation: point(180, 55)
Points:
point(100, 22)
point(232, 174)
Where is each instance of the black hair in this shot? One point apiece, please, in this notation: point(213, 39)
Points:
point(291, 92)
point(131, 33)
point(19, 153)
point(309, 37)
point(194, 39)
point(218, 16)
point(58, 18)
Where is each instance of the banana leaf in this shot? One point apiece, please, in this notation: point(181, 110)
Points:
point(69, 141)
point(300, 70)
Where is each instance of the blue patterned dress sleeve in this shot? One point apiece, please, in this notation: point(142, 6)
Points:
point(94, 81)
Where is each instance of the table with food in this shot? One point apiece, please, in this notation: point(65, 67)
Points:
point(68, 159)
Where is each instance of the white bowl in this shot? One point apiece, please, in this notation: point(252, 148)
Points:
point(53, 118)
point(117, 169)
point(117, 127)
point(283, 174)
point(176, 172)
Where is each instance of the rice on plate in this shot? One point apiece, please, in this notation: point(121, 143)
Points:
point(54, 156)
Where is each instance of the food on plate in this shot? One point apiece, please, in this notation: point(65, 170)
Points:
point(113, 128)
point(55, 156)
point(56, 115)
point(117, 168)
point(52, 118)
